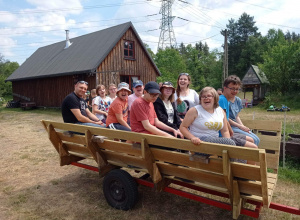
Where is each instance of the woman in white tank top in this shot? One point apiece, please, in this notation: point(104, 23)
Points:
point(203, 122)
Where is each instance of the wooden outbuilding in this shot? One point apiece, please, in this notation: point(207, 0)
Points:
point(256, 81)
point(113, 55)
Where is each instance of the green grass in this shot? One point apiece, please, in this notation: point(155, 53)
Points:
point(50, 111)
point(291, 171)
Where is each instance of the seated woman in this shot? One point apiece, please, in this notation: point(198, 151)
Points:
point(185, 97)
point(101, 103)
point(203, 122)
point(118, 110)
point(165, 107)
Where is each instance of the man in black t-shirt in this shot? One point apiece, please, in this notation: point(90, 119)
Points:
point(74, 108)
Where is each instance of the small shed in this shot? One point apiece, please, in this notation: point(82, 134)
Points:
point(256, 81)
point(113, 55)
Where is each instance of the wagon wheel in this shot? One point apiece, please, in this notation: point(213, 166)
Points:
point(120, 189)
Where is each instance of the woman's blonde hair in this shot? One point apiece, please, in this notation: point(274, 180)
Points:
point(100, 87)
point(213, 92)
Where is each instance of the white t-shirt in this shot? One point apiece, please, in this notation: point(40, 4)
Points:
point(131, 98)
point(103, 105)
point(170, 111)
point(191, 100)
point(207, 124)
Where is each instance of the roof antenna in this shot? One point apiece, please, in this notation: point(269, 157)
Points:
point(68, 43)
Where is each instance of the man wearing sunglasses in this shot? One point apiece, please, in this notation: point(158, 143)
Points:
point(143, 118)
point(74, 108)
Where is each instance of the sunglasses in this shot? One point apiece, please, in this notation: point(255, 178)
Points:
point(185, 74)
point(167, 84)
point(82, 82)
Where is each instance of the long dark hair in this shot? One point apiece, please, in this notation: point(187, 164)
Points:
point(178, 87)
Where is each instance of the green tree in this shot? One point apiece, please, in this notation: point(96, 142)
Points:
point(205, 67)
point(6, 69)
point(149, 50)
point(239, 33)
point(281, 66)
point(170, 63)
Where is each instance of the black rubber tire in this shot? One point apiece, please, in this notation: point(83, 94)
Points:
point(120, 190)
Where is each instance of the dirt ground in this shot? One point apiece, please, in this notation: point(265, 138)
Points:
point(34, 186)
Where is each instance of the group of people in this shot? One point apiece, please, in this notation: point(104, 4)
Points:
point(164, 110)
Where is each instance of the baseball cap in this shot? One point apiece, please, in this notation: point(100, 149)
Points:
point(152, 87)
point(123, 85)
point(137, 83)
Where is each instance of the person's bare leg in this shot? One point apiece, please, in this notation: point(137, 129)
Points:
point(250, 139)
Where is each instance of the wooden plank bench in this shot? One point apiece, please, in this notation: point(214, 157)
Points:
point(239, 181)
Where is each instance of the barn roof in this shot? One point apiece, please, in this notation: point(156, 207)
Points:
point(84, 55)
point(255, 76)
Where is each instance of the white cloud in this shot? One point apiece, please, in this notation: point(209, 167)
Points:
point(58, 6)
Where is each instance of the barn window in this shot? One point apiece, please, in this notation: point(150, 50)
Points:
point(129, 49)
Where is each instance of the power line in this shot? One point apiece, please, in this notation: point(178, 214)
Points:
point(256, 5)
point(186, 42)
point(237, 16)
point(71, 9)
point(72, 28)
point(81, 22)
point(194, 11)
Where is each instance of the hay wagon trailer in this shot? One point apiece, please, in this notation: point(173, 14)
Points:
point(164, 162)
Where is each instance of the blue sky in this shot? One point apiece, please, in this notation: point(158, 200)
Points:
point(27, 25)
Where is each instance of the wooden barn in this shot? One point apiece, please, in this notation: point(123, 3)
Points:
point(256, 81)
point(113, 55)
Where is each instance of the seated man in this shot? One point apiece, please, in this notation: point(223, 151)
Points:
point(74, 109)
point(143, 117)
point(232, 85)
point(238, 138)
point(138, 88)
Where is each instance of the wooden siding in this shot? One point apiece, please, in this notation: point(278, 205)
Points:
point(251, 78)
point(115, 65)
point(49, 92)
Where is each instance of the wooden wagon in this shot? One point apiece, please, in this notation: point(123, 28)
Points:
point(165, 161)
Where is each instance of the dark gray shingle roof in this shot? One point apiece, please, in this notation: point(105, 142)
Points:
point(255, 76)
point(84, 55)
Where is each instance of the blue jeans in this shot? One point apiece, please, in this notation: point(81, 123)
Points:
point(255, 138)
point(118, 126)
point(91, 124)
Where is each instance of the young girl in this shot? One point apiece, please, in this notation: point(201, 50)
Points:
point(118, 111)
point(112, 88)
point(185, 97)
point(165, 107)
point(101, 103)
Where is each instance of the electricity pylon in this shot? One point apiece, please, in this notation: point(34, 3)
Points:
point(167, 35)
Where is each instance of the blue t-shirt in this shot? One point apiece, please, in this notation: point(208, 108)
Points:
point(224, 104)
point(235, 108)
